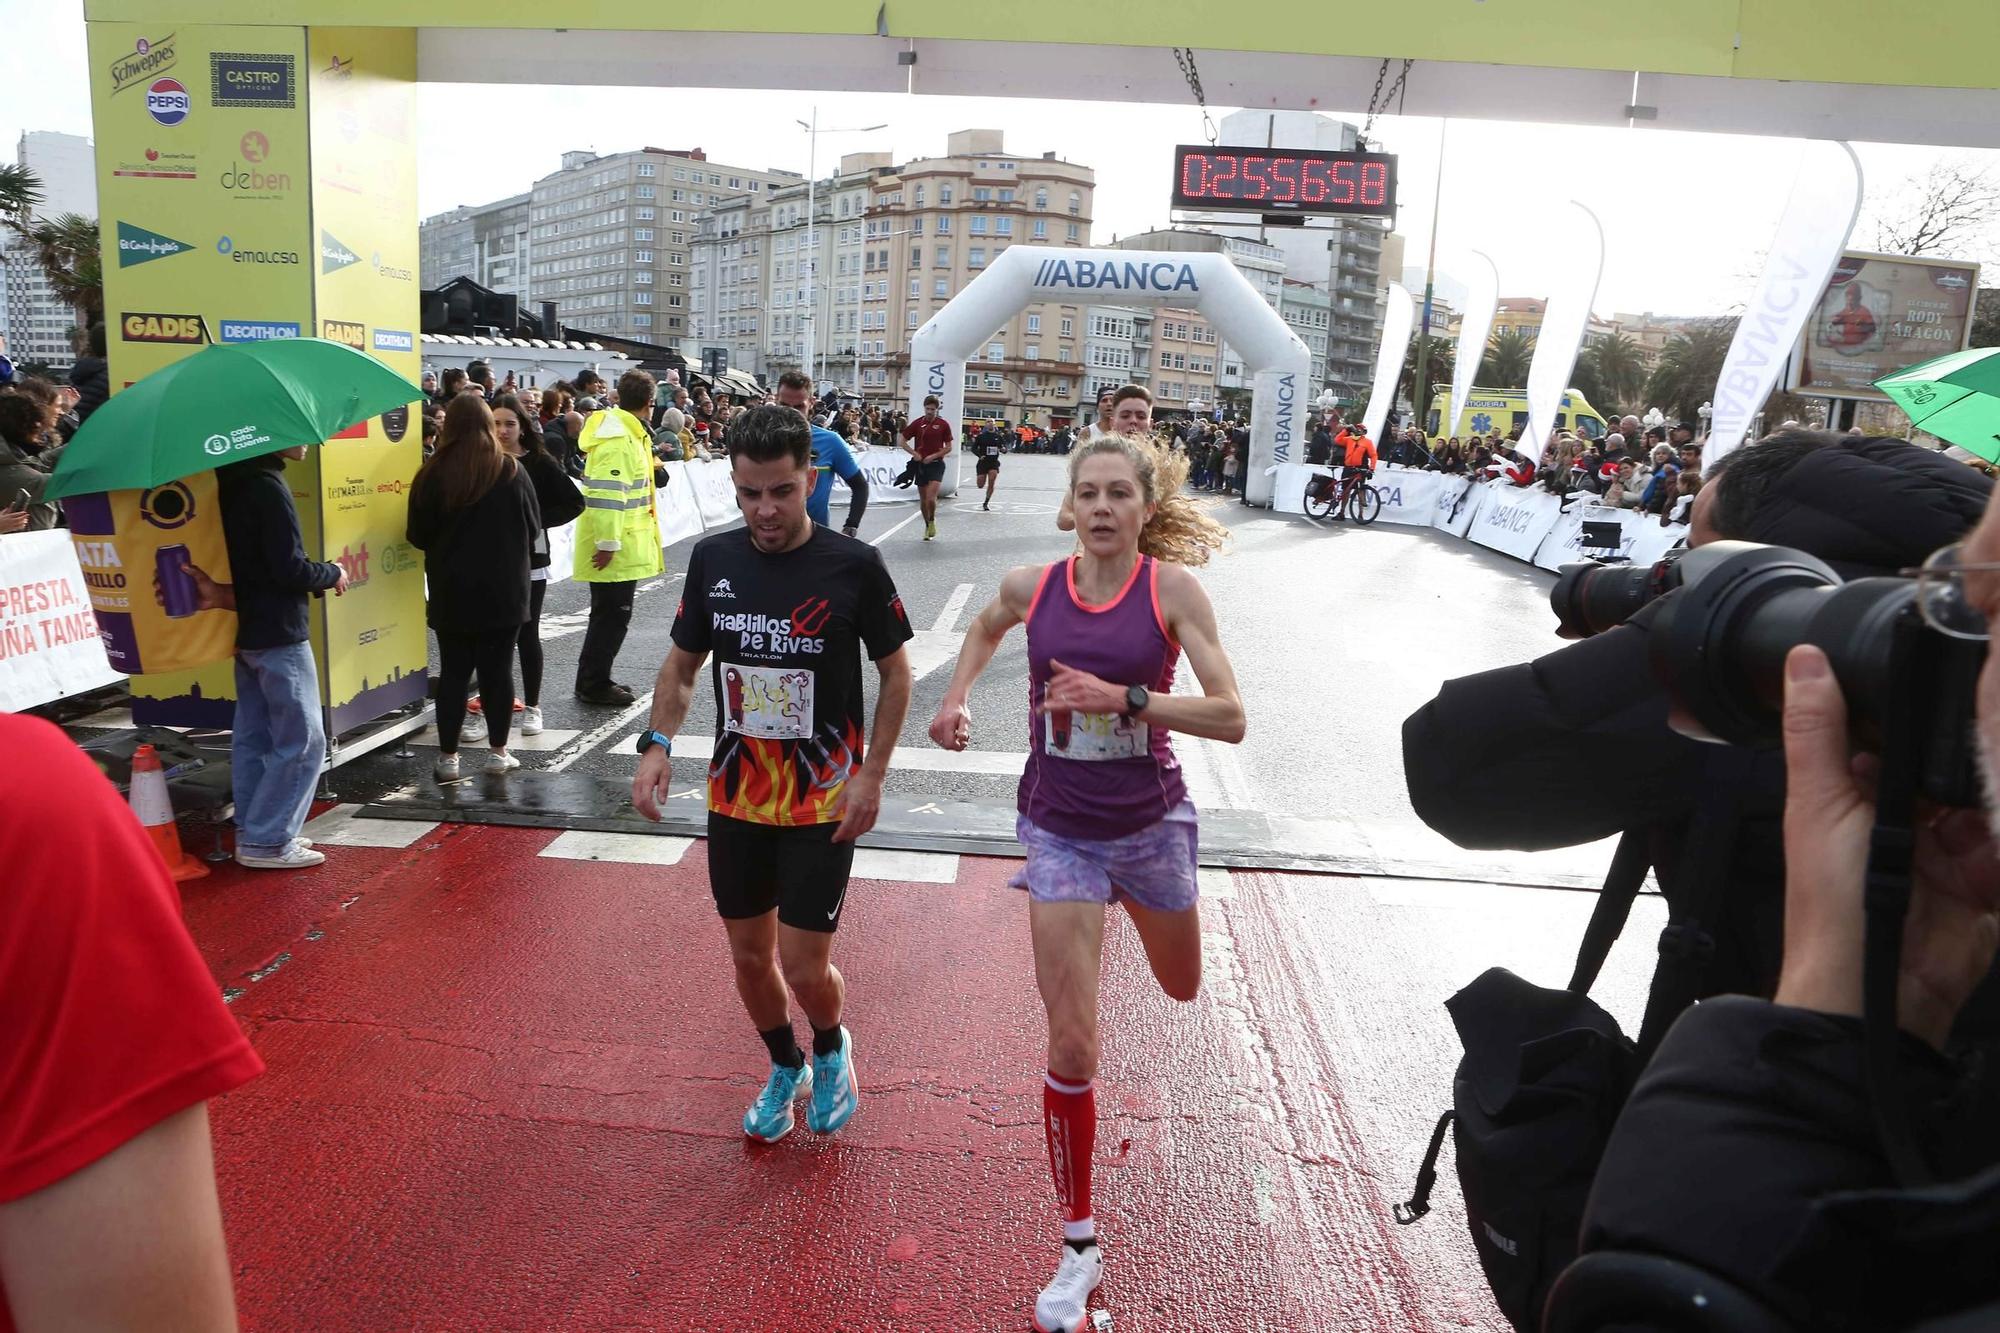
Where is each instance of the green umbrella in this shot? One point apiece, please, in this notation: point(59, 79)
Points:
point(1955, 397)
point(227, 402)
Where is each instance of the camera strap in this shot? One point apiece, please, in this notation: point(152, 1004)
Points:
point(1613, 909)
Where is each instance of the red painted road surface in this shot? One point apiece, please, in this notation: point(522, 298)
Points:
point(505, 1093)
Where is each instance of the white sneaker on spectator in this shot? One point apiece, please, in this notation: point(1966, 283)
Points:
point(297, 855)
point(531, 721)
point(446, 768)
point(499, 761)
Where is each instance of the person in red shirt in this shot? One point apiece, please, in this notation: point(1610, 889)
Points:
point(116, 1038)
point(930, 437)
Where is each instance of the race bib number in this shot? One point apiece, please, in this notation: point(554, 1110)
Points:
point(769, 703)
point(1095, 736)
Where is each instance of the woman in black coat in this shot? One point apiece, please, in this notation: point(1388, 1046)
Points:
point(560, 501)
point(474, 515)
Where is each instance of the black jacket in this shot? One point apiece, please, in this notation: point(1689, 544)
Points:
point(476, 559)
point(1749, 1148)
point(267, 554)
point(1574, 746)
point(555, 495)
point(91, 378)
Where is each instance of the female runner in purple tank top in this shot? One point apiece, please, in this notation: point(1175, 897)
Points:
point(1104, 815)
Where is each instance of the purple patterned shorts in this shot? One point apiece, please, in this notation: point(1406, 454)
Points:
point(1154, 867)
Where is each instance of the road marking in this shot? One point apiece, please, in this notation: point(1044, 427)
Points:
point(952, 606)
point(905, 867)
point(638, 708)
point(637, 849)
point(927, 808)
point(552, 739)
point(877, 541)
point(338, 827)
point(1215, 884)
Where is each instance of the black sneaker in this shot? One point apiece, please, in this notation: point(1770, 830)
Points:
point(609, 696)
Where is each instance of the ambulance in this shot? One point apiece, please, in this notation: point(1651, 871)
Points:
point(1506, 411)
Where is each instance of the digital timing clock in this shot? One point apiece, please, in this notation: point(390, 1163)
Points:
point(1281, 180)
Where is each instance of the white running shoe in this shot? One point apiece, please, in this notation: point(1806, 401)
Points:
point(446, 768)
point(1064, 1303)
point(499, 761)
point(298, 855)
point(531, 721)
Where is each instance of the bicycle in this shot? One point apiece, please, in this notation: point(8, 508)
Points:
point(1348, 494)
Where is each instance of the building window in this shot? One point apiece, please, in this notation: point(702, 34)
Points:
point(642, 257)
point(645, 215)
point(971, 380)
point(944, 224)
point(996, 351)
point(910, 319)
point(1032, 352)
point(646, 192)
point(917, 225)
point(944, 193)
point(943, 258)
point(977, 225)
point(1041, 232)
point(981, 195)
point(1041, 198)
point(1003, 226)
point(647, 169)
point(642, 234)
point(993, 381)
point(941, 288)
point(642, 321)
point(1034, 323)
point(1066, 329)
point(976, 257)
point(642, 298)
point(917, 196)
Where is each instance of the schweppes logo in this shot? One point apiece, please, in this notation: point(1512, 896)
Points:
point(146, 59)
point(333, 256)
point(346, 334)
point(150, 328)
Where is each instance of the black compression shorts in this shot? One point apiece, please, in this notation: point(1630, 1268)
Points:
point(989, 465)
point(800, 870)
point(930, 472)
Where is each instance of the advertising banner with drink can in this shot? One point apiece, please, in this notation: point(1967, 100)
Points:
point(134, 548)
point(1878, 314)
point(362, 87)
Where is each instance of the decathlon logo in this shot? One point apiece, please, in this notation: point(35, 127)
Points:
point(1110, 275)
point(394, 340)
point(722, 589)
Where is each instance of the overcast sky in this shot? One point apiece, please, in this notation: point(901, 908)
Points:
point(1686, 216)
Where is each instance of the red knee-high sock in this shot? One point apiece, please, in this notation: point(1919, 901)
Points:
point(1069, 1115)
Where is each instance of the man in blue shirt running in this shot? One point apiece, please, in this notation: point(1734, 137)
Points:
point(831, 457)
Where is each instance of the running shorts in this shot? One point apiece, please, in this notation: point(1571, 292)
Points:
point(798, 869)
point(1154, 867)
point(932, 471)
point(987, 465)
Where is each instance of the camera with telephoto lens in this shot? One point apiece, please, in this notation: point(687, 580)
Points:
point(1592, 596)
point(1719, 647)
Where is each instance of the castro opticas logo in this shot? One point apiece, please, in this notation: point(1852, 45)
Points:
point(236, 441)
point(167, 101)
point(226, 245)
point(346, 334)
point(333, 256)
point(149, 57)
point(136, 245)
point(1091, 274)
point(149, 328)
point(253, 79)
point(394, 340)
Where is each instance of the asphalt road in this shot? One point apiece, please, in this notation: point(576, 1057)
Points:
point(1336, 634)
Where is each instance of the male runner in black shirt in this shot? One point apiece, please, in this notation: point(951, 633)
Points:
point(785, 606)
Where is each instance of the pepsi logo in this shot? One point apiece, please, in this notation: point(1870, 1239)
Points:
point(167, 101)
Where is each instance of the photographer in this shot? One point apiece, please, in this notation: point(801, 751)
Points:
point(1483, 755)
point(1773, 1098)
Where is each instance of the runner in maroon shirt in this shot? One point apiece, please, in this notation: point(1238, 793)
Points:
point(931, 439)
point(1104, 815)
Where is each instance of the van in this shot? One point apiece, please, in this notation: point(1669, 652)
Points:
point(1506, 411)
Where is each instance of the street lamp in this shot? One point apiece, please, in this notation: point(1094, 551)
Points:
point(1705, 411)
point(813, 131)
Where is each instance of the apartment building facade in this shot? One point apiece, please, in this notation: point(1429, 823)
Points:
point(39, 327)
point(489, 243)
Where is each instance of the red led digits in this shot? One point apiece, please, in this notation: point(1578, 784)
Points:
point(1375, 184)
point(1194, 175)
point(1301, 181)
point(1315, 186)
point(1344, 187)
point(1284, 180)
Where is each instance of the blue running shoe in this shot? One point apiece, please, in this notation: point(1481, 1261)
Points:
point(770, 1116)
point(834, 1091)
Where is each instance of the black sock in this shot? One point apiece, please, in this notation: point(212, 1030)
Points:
point(783, 1046)
point(826, 1040)
point(1081, 1245)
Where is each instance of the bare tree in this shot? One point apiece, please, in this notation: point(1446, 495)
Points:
point(1947, 209)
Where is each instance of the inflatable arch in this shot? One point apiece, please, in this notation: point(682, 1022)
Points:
point(1204, 281)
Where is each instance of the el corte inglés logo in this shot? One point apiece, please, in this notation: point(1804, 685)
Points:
point(333, 256)
point(136, 245)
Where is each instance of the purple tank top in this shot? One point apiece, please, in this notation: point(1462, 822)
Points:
point(1099, 776)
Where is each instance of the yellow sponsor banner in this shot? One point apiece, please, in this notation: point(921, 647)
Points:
point(134, 548)
point(362, 88)
point(202, 187)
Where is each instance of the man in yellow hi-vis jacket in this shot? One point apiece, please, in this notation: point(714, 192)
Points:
point(618, 535)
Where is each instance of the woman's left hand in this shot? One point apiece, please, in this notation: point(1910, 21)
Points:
point(1074, 691)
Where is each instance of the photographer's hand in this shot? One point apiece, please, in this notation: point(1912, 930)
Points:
point(1954, 921)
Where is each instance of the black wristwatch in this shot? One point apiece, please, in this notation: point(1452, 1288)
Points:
point(1136, 699)
point(648, 739)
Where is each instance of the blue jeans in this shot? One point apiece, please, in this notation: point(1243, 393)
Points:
point(278, 746)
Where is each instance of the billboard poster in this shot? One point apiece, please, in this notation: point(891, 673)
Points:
point(202, 201)
point(362, 89)
point(1878, 314)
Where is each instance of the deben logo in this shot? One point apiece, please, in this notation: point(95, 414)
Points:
point(136, 245)
point(333, 256)
point(142, 327)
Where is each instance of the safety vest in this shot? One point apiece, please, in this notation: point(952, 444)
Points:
point(618, 503)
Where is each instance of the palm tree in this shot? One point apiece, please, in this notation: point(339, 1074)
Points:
point(65, 249)
point(1690, 365)
point(20, 193)
point(1620, 371)
point(1436, 379)
point(1507, 357)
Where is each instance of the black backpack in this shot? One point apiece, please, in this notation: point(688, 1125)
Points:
point(1546, 1072)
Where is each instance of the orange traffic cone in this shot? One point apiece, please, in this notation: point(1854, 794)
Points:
point(156, 812)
